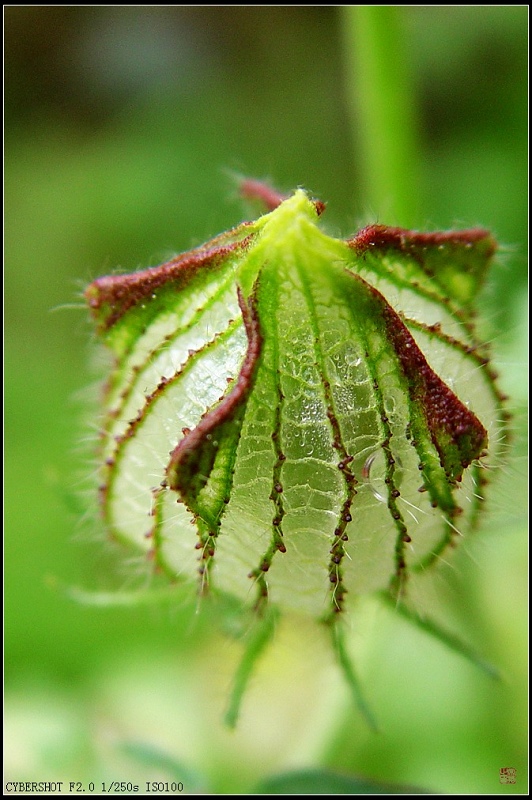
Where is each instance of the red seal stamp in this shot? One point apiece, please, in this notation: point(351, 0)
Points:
point(507, 775)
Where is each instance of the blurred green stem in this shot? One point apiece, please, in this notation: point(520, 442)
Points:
point(381, 108)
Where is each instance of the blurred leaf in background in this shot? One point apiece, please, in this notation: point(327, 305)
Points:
point(121, 124)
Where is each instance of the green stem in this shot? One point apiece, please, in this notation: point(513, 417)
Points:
point(381, 108)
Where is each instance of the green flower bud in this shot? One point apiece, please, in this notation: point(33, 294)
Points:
point(295, 420)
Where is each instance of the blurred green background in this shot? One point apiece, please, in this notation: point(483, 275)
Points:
point(122, 128)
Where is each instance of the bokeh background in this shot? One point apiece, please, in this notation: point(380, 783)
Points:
point(123, 129)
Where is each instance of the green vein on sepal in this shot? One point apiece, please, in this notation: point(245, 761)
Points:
point(450, 640)
point(258, 639)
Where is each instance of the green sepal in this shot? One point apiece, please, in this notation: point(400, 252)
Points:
point(124, 306)
point(345, 663)
point(445, 637)
point(449, 265)
point(259, 637)
point(201, 466)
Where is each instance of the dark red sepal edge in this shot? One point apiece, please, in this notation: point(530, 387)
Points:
point(456, 432)
point(111, 296)
point(188, 448)
point(403, 240)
